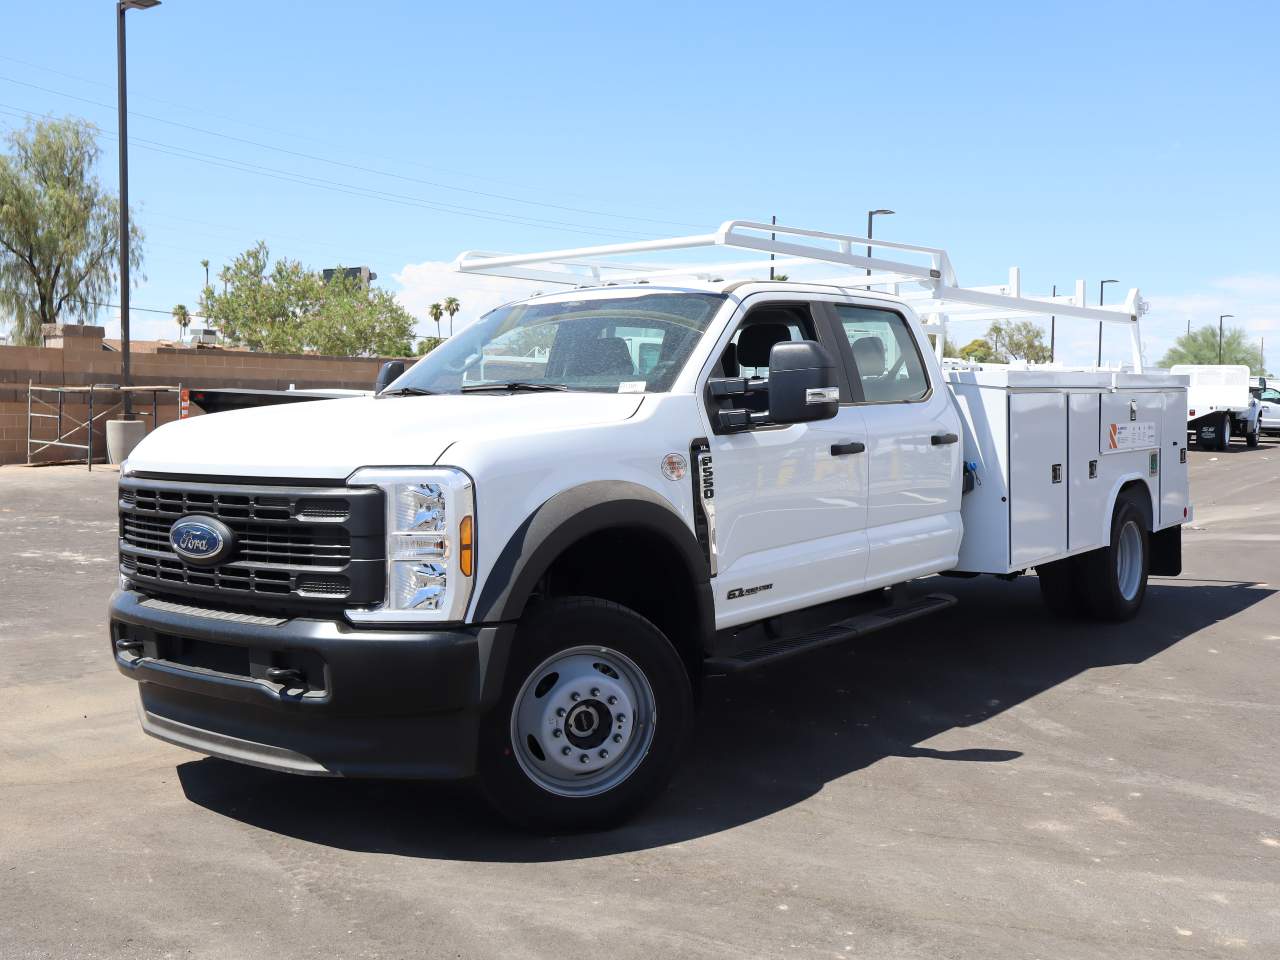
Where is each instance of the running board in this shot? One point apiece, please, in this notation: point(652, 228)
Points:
point(858, 626)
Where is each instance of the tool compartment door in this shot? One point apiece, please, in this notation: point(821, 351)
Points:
point(1037, 477)
point(1173, 462)
point(1089, 487)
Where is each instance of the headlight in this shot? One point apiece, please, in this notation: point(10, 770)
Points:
point(431, 547)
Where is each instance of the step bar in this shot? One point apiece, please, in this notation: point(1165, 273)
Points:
point(787, 647)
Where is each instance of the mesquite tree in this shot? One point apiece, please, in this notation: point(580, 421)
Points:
point(59, 229)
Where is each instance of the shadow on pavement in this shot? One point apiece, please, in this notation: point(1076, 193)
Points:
point(765, 740)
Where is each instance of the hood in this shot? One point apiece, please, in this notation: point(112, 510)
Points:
point(331, 438)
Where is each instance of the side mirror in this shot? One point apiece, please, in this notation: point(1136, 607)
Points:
point(391, 370)
point(802, 383)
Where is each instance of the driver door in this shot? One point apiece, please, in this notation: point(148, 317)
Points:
point(790, 502)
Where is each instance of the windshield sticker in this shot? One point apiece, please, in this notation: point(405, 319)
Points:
point(632, 386)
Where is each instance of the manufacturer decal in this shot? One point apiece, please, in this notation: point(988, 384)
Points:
point(739, 592)
point(1131, 436)
point(704, 493)
point(201, 540)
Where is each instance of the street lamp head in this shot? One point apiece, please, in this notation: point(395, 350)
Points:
point(138, 4)
point(879, 213)
point(1226, 316)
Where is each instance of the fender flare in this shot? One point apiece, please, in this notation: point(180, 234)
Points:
point(1152, 504)
point(565, 519)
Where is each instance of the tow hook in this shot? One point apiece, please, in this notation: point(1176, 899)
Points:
point(285, 676)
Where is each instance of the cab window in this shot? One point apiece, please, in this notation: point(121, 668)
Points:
point(747, 353)
point(885, 356)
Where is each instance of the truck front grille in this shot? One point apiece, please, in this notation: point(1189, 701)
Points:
point(296, 549)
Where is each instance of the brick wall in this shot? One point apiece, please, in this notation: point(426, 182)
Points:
point(74, 357)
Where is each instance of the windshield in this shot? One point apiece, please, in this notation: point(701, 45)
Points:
point(602, 344)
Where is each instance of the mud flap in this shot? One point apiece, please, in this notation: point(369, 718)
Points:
point(1166, 552)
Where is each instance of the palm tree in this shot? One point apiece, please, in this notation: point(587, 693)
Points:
point(451, 306)
point(183, 318)
point(205, 264)
point(436, 312)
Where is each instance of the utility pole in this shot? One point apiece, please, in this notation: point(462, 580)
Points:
point(1222, 317)
point(1101, 288)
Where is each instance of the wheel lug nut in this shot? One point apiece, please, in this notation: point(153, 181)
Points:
point(559, 711)
point(622, 718)
point(583, 759)
point(567, 750)
point(612, 701)
point(617, 738)
point(595, 691)
point(557, 732)
point(604, 754)
point(575, 695)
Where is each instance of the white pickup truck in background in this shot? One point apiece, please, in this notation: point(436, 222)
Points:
point(1219, 404)
point(525, 578)
point(1268, 398)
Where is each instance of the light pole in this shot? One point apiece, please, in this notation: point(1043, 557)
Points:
point(772, 237)
point(1101, 288)
point(1053, 326)
point(871, 216)
point(1222, 317)
point(122, 6)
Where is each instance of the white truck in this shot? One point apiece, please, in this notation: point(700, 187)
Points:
point(526, 580)
point(1219, 404)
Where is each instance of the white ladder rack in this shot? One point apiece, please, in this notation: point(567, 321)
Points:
point(932, 288)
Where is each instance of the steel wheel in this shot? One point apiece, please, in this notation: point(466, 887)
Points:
point(583, 721)
point(1129, 565)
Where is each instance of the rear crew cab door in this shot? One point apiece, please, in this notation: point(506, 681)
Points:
point(914, 448)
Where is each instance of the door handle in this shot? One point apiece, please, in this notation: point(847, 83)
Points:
point(840, 449)
point(942, 439)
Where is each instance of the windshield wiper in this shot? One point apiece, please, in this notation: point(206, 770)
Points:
point(407, 392)
point(514, 385)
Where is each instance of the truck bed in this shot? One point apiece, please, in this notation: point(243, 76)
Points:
point(1050, 450)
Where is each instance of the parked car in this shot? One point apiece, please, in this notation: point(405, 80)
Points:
point(1268, 400)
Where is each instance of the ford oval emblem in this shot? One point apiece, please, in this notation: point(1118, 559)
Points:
point(201, 540)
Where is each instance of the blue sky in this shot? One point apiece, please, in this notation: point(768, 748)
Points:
point(1135, 141)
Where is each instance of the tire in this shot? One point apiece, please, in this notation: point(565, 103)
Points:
point(1114, 578)
point(577, 655)
point(1060, 587)
point(1224, 432)
point(1251, 438)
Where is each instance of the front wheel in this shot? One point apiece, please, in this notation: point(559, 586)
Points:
point(1115, 576)
point(597, 708)
point(1251, 438)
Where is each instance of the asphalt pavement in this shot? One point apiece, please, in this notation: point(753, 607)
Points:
point(990, 783)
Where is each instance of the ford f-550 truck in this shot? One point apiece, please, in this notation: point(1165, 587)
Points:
point(521, 569)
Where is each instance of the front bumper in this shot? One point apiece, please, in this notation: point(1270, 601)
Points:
point(310, 696)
